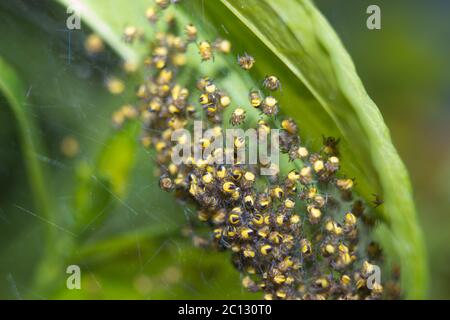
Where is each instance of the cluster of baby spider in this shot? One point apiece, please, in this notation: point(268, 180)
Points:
point(293, 236)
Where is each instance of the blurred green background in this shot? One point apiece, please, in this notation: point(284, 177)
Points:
point(131, 244)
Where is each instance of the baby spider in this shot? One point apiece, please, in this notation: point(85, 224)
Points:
point(152, 15)
point(163, 4)
point(131, 33)
point(270, 106)
point(272, 83)
point(255, 99)
point(205, 50)
point(238, 116)
point(221, 45)
point(246, 61)
point(191, 32)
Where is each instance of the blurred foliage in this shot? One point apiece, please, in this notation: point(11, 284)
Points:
point(128, 235)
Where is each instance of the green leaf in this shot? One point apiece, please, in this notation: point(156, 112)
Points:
point(12, 88)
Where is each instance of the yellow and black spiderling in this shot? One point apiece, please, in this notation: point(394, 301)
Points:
point(131, 33)
point(163, 4)
point(205, 50)
point(272, 83)
point(94, 44)
point(222, 46)
point(238, 116)
point(265, 249)
point(166, 183)
point(249, 201)
point(191, 32)
point(289, 139)
point(248, 180)
point(293, 235)
point(229, 187)
point(290, 126)
point(255, 99)
point(305, 247)
point(246, 61)
point(269, 106)
point(225, 100)
point(152, 15)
